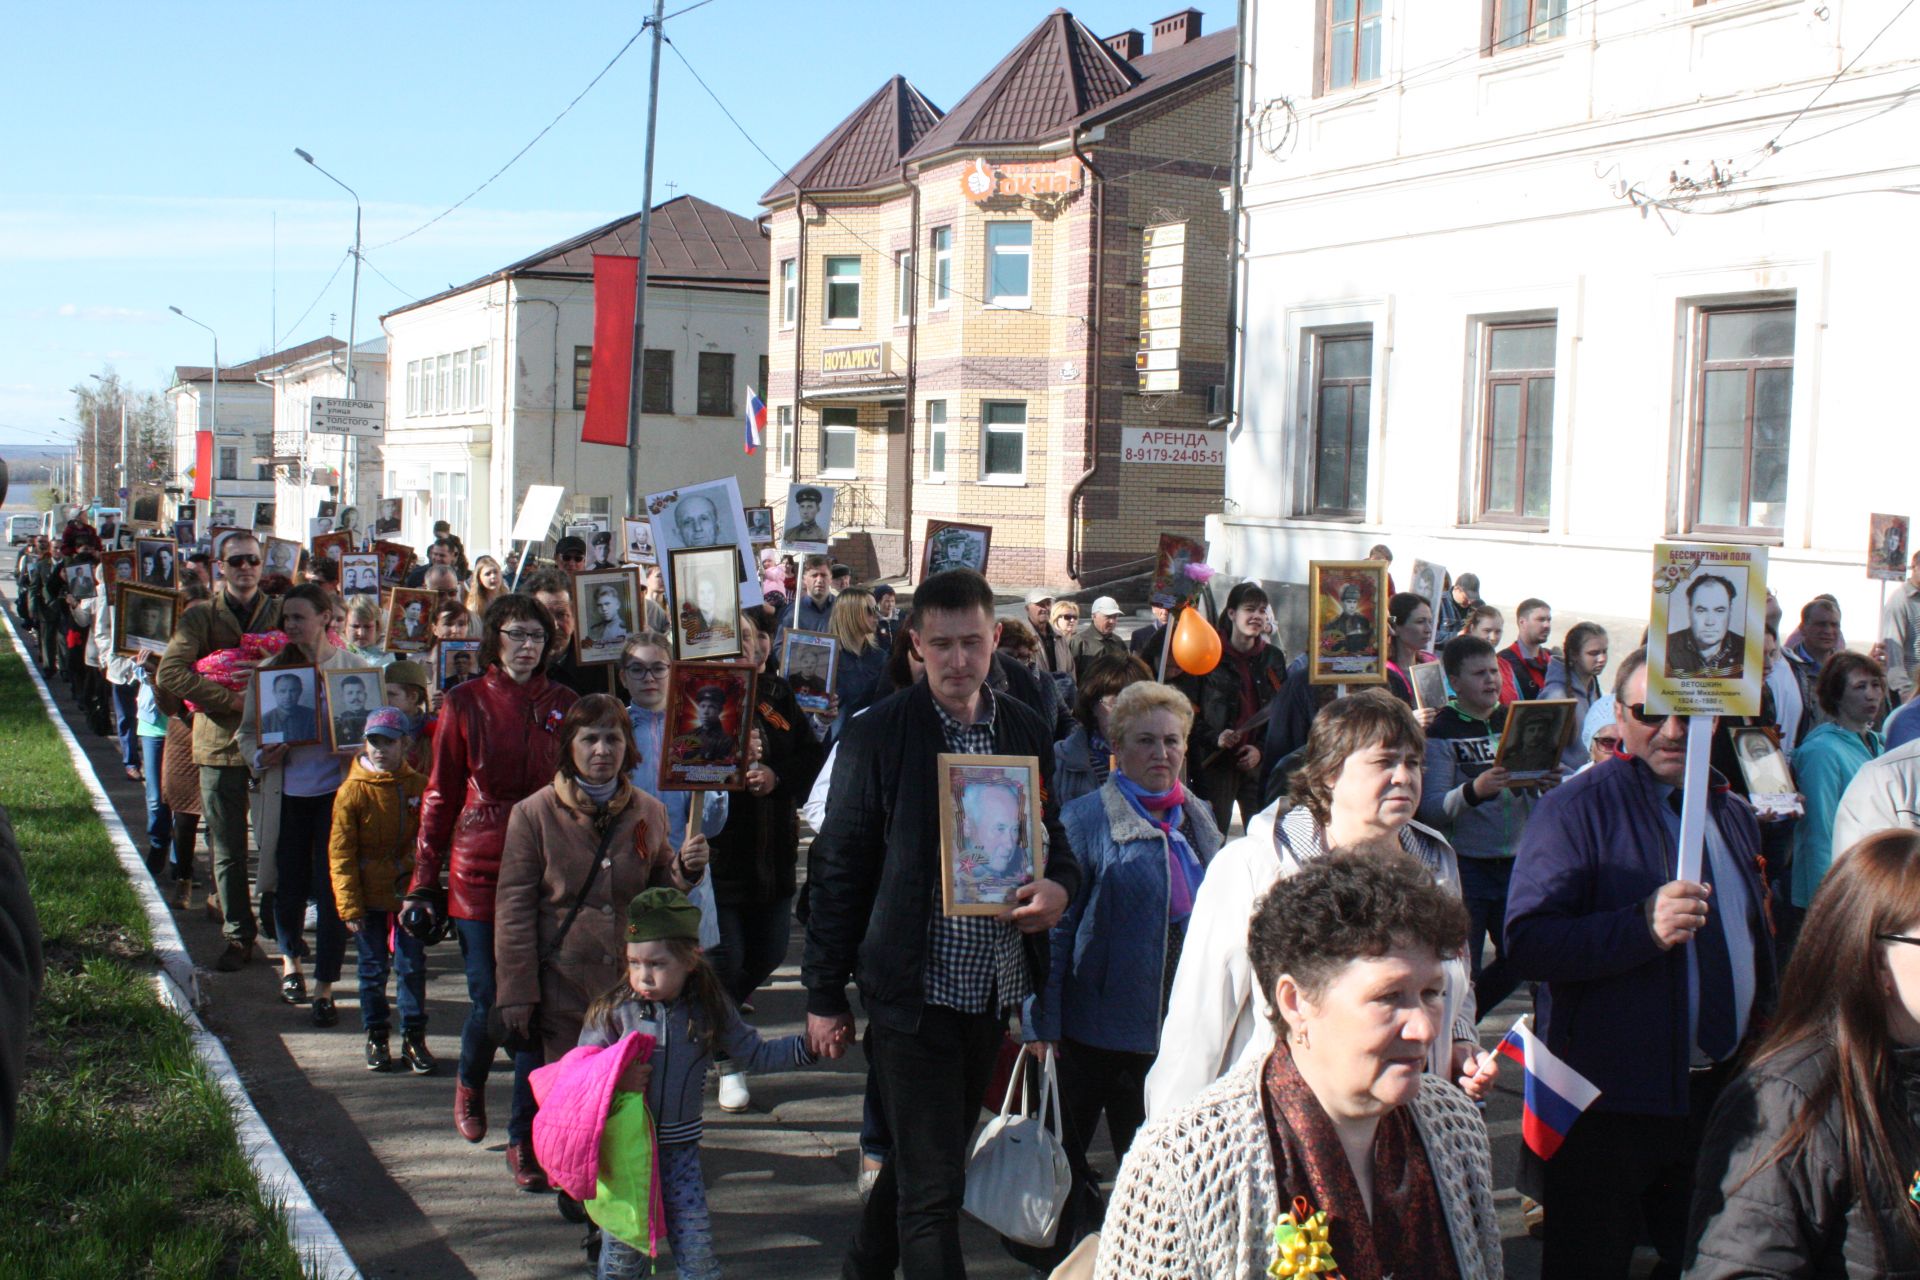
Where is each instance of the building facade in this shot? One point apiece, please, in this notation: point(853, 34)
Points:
point(311, 468)
point(1529, 286)
point(957, 306)
point(490, 379)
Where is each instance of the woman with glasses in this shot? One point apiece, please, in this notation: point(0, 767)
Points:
point(1062, 620)
point(855, 623)
point(1808, 1164)
point(497, 742)
point(1143, 850)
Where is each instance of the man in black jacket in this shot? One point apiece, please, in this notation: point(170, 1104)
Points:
point(936, 988)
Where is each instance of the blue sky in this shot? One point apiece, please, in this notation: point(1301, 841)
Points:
point(149, 151)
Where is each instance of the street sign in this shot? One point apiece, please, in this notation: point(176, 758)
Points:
point(336, 416)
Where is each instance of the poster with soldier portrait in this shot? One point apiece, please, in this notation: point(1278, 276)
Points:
point(1706, 629)
point(709, 719)
point(1347, 643)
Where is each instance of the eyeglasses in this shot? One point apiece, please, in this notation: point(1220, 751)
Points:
point(1068, 615)
point(639, 671)
point(1606, 744)
point(513, 636)
point(242, 562)
point(1898, 937)
point(1652, 719)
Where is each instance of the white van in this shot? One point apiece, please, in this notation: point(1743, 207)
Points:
point(22, 528)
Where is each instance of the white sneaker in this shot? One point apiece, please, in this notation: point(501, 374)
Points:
point(733, 1091)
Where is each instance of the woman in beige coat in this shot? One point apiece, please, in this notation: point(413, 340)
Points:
point(547, 863)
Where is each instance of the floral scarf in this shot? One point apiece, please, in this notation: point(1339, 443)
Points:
point(1406, 1239)
point(1166, 810)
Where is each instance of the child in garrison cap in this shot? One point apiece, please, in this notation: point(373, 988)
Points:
point(376, 818)
point(407, 682)
point(672, 993)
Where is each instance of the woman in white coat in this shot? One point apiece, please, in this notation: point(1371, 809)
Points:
point(1355, 792)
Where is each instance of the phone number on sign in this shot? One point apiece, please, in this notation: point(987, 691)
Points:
point(1161, 453)
point(1180, 448)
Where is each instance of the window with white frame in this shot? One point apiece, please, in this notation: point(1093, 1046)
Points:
point(443, 384)
point(263, 450)
point(449, 500)
point(477, 395)
point(229, 462)
point(839, 436)
point(1742, 418)
point(789, 292)
point(903, 279)
point(582, 375)
point(1516, 421)
point(413, 388)
point(843, 291)
point(1010, 264)
point(783, 456)
point(1003, 444)
point(942, 267)
point(936, 439)
point(459, 381)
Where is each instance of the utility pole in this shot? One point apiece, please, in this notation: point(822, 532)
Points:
point(350, 444)
point(640, 273)
point(213, 414)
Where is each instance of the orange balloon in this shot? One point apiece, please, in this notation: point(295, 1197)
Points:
point(1196, 645)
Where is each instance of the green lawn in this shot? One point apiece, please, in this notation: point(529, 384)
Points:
point(126, 1162)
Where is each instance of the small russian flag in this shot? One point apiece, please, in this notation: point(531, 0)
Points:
point(756, 419)
point(1556, 1094)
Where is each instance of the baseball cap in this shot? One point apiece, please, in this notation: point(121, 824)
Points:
point(570, 545)
point(1040, 595)
point(388, 722)
point(1106, 605)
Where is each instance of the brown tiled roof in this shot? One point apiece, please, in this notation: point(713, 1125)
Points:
point(1059, 73)
point(245, 372)
point(866, 147)
point(1164, 71)
point(689, 242)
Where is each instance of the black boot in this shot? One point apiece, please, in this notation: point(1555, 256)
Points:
point(378, 1058)
point(413, 1047)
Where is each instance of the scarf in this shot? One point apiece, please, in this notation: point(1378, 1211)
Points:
point(1242, 664)
point(1166, 810)
point(1407, 1236)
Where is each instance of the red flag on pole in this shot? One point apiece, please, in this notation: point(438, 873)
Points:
point(610, 382)
point(203, 463)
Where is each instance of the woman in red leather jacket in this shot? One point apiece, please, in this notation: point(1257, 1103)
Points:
point(498, 742)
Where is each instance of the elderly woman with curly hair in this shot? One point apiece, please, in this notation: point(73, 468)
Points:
point(1337, 1145)
point(1356, 791)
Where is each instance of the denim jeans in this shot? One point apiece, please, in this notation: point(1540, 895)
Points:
point(406, 958)
point(306, 875)
point(159, 817)
point(931, 1083)
point(753, 943)
point(126, 718)
point(476, 1049)
point(223, 804)
point(1483, 883)
point(683, 1194)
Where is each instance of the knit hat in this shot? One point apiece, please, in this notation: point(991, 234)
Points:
point(388, 722)
point(655, 915)
point(1599, 716)
point(413, 673)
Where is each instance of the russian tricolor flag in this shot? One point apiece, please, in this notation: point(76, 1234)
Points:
point(1556, 1094)
point(756, 419)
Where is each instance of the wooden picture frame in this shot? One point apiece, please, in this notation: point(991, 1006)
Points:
point(1534, 736)
point(334, 546)
point(119, 566)
point(1429, 680)
point(638, 533)
point(347, 716)
point(813, 688)
point(1171, 586)
point(448, 671)
point(389, 516)
point(990, 833)
point(157, 563)
point(598, 639)
point(1889, 547)
point(134, 621)
point(759, 525)
point(706, 603)
point(396, 561)
point(709, 719)
point(414, 637)
point(1347, 622)
point(1763, 766)
point(360, 574)
point(280, 555)
point(954, 544)
point(278, 723)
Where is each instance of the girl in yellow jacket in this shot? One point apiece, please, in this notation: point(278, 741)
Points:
point(376, 818)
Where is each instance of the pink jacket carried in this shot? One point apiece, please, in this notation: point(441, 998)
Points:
point(574, 1096)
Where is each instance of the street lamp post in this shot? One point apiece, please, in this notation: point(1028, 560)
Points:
point(213, 408)
point(350, 444)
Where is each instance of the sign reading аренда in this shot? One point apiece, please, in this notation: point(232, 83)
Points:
point(1174, 446)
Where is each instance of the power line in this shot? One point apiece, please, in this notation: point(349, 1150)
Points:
point(1773, 144)
point(536, 137)
point(405, 293)
point(316, 299)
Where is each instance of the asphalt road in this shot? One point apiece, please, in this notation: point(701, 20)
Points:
point(411, 1199)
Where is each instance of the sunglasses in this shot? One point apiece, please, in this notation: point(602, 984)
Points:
point(242, 562)
point(1652, 719)
point(1898, 937)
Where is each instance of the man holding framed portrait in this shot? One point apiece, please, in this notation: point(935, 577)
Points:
point(936, 987)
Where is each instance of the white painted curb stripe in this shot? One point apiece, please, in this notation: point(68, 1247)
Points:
point(314, 1238)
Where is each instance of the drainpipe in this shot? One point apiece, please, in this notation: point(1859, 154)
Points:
point(1074, 494)
point(913, 369)
point(799, 340)
point(1231, 410)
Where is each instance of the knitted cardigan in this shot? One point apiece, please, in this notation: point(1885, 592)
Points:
point(1197, 1194)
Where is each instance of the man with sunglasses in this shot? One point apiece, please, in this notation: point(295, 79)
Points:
point(238, 608)
point(1651, 985)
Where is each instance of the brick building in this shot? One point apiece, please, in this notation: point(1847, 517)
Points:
point(960, 305)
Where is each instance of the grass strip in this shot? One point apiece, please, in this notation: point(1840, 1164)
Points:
point(126, 1162)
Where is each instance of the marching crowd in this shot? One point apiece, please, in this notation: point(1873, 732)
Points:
point(1280, 1030)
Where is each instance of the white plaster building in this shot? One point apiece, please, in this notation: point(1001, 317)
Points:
point(312, 468)
point(490, 379)
point(243, 428)
point(1529, 285)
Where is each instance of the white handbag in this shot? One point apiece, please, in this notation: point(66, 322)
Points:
point(1018, 1177)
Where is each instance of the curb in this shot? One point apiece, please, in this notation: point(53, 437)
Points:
point(178, 987)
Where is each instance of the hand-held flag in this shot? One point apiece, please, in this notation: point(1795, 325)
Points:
point(756, 419)
point(1556, 1094)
